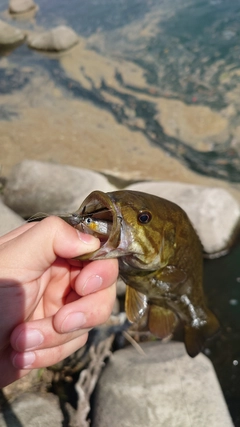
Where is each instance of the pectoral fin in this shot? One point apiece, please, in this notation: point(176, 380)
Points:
point(161, 321)
point(136, 304)
point(171, 275)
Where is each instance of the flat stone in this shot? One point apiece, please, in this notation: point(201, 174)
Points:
point(57, 39)
point(21, 6)
point(32, 409)
point(164, 388)
point(8, 219)
point(50, 188)
point(10, 35)
point(213, 211)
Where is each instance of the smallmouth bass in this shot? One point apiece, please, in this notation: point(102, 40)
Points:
point(160, 260)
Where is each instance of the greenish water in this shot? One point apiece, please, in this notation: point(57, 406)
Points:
point(189, 56)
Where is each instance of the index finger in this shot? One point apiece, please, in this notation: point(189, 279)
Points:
point(16, 232)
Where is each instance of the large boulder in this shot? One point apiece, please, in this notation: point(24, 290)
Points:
point(213, 211)
point(164, 388)
point(32, 409)
point(21, 6)
point(10, 35)
point(57, 39)
point(50, 188)
point(8, 219)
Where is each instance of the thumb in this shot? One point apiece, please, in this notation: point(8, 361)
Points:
point(39, 245)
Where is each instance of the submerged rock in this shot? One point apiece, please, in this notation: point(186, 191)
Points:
point(50, 188)
point(10, 35)
point(21, 6)
point(164, 387)
point(197, 125)
point(57, 39)
point(213, 211)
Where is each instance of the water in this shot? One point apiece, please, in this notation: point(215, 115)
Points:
point(222, 286)
point(189, 53)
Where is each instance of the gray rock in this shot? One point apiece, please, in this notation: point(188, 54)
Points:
point(121, 287)
point(51, 188)
point(116, 307)
point(57, 39)
point(165, 388)
point(8, 219)
point(21, 6)
point(213, 211)
point(10, 35)
point(31, 409)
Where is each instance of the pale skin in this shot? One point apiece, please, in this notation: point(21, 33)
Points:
point(49, 302)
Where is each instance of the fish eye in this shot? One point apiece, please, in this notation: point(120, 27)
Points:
point(88, 220)
point(144, 217)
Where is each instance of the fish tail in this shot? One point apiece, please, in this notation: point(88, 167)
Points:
point(196, 337)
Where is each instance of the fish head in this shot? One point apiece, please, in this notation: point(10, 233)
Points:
point(140, 232)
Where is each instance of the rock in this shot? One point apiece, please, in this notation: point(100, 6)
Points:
point(57, 39)
point(31, 381)
point(21, 6)
point(10, 35)
point(47, 187)
point(32, 409)
point(121, 287)
point(164, 388)
point(8, 219)
point(213, 211)
point(116, 307)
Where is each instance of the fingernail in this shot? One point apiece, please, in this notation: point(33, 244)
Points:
point(92, 284)
point(23, 360)
point(27, 340)
point(73, 322)
point(86, 238)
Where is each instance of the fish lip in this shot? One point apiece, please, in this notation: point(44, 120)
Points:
point(94, 202)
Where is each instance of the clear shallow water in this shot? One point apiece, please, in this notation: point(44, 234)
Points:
point(189, 52)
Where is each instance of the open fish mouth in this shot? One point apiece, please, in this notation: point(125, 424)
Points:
point(100, 216)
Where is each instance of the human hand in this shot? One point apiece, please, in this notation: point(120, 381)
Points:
point(49, 302)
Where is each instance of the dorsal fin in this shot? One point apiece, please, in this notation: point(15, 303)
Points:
point(136, 304)
point(161, 321)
